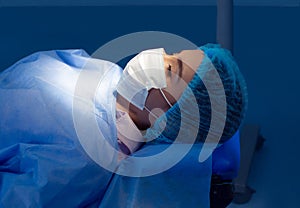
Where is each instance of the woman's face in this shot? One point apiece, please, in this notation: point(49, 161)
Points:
point(179, 69)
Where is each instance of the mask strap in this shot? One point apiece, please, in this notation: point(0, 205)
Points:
point(163, 94)
point(152, 114)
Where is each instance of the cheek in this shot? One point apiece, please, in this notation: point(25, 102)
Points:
point(175, 87)
point(188, 73)
point(172, 79)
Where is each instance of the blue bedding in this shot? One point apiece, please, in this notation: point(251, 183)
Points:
point(43, 162)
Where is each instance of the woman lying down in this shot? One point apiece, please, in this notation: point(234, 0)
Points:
point(50, 148)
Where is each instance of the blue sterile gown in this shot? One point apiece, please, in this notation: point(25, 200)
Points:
point(42, 164)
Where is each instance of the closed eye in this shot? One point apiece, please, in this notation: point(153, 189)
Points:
point(169, 67)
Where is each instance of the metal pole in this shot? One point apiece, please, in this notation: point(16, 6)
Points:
point(225, 23)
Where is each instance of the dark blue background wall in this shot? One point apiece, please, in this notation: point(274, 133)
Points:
point(266, 46)
point(26, 30)
point(267, 43)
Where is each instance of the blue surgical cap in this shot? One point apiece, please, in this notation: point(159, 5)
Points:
point(167, 127)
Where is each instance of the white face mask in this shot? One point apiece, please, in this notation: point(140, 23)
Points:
point(142, 73)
